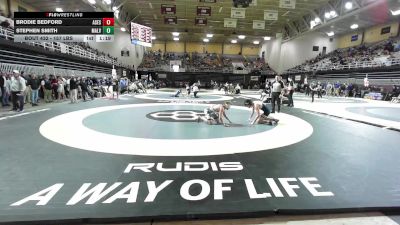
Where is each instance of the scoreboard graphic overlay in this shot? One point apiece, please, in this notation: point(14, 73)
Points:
point(141, 35)
point(64, 27)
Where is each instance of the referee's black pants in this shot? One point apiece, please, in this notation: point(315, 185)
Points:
point(312, 95)
point(275, 98)
point(290, 97)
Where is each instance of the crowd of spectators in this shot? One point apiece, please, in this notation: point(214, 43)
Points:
point(207, 61)
point(158, 60)
point(376, 54)
point(5, 24)
point(18, 88)
point(258, 64)
point(149, 59)
point(226, 62)
point(348, 89)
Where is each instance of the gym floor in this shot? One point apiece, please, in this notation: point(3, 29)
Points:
point(145, 158)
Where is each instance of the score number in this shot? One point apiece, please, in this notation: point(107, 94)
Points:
point(108, 22)
point(108, 26)
point(108, 30)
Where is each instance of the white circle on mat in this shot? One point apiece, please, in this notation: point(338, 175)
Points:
point(68, 129)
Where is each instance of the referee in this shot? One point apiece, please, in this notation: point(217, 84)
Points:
point(277, 87)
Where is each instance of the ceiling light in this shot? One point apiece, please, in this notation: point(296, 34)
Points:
point(396, 12)
point(241, 37)
point(59, 10)
point(330, 34)
point(348, 5)
point(256, 42)
point(123, 29)
point(354, 26)
point(92, 2)
point(206, 40)
point(327, 15)
point(116, 13)
point(175, 34)
point(176, 39)
point(317, 20)
point(333, 13)
point(114, 8)
point(108, 2)
point(312, 24)
point(153, 38)
point(234, 41)
point(210, 35)
point(266, 38)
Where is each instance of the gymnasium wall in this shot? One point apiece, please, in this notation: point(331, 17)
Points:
point(374, 34)
point(250, 50)
point(3, 8)
point(297, 51)
point(284, 55)
point(231, 49)
point(272, 49)
point(194, 47)
point(122, 41)
point(214, 48)
point(199, 47)
point(175, 47)
point(158, 46)
point(348, 40)
point(370, 35)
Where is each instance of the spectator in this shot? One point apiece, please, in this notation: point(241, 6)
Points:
point(18, 86)
point(5, 24)
point(34, 85)
point(7, 90)
point(2, 87)
point(291, 91)
point(85, 89)
point(60, 88)
point(73, 89)
point(28, 90)
point(46, 86)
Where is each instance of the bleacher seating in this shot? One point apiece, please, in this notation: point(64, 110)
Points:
point(14, 59)
point(381, 54)
point(205, 62)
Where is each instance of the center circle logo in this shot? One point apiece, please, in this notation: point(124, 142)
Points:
point(176, 116)
point(169, 129)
